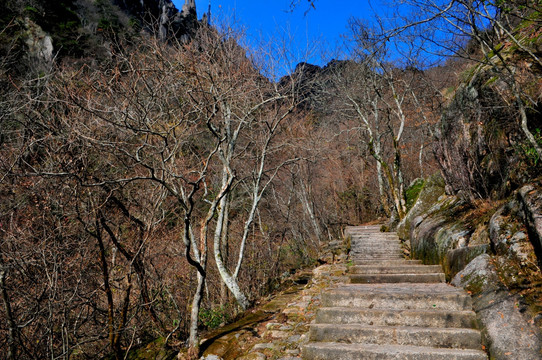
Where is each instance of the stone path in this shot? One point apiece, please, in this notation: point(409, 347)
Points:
point(392, 308)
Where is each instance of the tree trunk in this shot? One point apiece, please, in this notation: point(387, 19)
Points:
point(12, 328)
point(380, 178)
point(113, 337)
point(399, 181)
point(304, 197)
point(225, 252)
point(193, 341)
point(523, 123)
point(228, 279)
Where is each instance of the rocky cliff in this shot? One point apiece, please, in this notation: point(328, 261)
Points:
point(169, 21)
point(488, 135)
point(34, 33)
point(492, 249)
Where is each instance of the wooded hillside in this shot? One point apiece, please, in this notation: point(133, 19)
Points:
point(154, 180)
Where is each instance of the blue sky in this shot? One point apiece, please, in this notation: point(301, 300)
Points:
point(324, 24)
point(315, 35)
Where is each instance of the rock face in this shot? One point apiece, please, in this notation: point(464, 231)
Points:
point(75, 29)
point(438, 230)
point(39, 43)
point(507, 332)
point(481, 148)
point(507, 233)
point(431, 191)
point(172, 23)
point(492, 255)
point(530, 197)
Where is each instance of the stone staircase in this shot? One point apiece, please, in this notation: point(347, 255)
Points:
point(392, 308)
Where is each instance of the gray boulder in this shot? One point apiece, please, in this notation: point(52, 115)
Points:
point(431, 191)
point(530, 197)
point(507, 234)
point(507, 332)
point(437, 231)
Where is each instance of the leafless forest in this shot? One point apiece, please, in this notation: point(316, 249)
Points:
point(160, 187)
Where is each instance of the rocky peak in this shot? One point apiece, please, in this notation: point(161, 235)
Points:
point(172, 23)
point(183, 24)
point(189, 7)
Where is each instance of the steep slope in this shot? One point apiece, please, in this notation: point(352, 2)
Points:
point(489, 137)
point(33, 33)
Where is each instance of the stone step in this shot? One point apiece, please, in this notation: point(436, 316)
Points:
point(390, 317)
point(396, 278)
point(376, 248)
point(340, 351)
point(375, 242)
point(374, 237)
point(364, 228)
point(397, 335)
point(378, 242)
point(393, 308)
point(364, 260)
point(376, 227)
point(388, 262)
point(410, 269)
point(362, 248)
point(372, 234)
point(381, 247)
point(396, 256)
point(378, 254)
point(377, 299)
point(380, 258)
point(373, 247)
point(390, 253)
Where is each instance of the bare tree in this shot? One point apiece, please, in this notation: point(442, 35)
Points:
point(485, 34)
point(246, 114)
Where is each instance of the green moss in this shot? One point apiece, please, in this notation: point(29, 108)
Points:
point(348, 244)
point(413, 192)
point(497, 48)
point(213, 317)
point(474, 283)
point(491, 80)
point(528, 152)
point(31, 9)
point(468, 75)
point(523, 279)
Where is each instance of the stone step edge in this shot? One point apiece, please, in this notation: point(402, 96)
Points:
point(395, 278)
point(384, 311)
point(465, 338)
point(395, 327)
point(390, 272)
point(395, 274)
point(390, 290)
point(394, 261)
point(430, 311)
point(355, 351)
point(453, 299)
point(395, 266)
